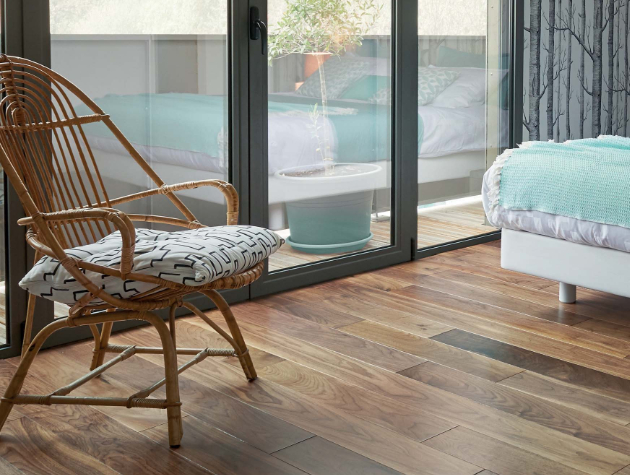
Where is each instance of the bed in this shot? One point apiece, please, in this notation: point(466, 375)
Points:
point(586, 246)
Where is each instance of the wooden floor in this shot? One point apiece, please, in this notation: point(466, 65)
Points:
point(444, 366)
point(436, 225)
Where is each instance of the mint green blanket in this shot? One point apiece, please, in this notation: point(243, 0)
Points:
point(194, 122)
point(586, 179)
point(177, 121)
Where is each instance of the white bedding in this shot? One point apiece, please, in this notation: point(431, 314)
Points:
point(446, 131)
point(551, 225)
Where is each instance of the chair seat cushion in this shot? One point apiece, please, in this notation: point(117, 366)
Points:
point(193, 257)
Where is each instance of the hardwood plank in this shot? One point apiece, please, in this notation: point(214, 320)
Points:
point(470, 261)
point(587, 378)
point(7, 469)
point(243, 421)
point(390, 316)
point(29, 448)
point(593, 348)
point(72, 362)
point(549, 299)
point(262, 359)
point(369, 406)
point(324, 316)
point(431, 350)
point(549, 414)
point(482, 304)
point(256, 427)
point(492, 422)
point(352, 399)
point(318, 456)
point(407, 271)
point(440, 282)
point(374, 281)
point(359, 348)
point(571, 395)
point(220, 453)
point(127, 452)
point(497, 456)
point(370, 440)
point(385, 302)
point(613, 330)
point(197, 340)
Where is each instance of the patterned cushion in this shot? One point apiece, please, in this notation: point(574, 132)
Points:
point(431, 82)
point(192, 257)
point(339, 73)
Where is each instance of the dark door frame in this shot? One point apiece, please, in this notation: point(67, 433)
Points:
point(404, 142)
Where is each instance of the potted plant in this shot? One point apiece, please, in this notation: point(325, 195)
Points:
point(335, 216)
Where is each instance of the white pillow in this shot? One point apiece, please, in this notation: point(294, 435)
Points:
point(469, 89)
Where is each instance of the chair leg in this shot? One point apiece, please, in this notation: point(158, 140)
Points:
point(246, 359)
point(15, 386)
point(30, 312)
point(99, 346)
point(174, 410)
point(28, 323)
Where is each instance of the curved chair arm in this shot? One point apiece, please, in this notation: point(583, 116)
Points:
point(229, 192)
point(119, 219)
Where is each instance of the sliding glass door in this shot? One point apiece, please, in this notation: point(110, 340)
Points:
point(463, 109)
point(359, 130)
point(332, 166)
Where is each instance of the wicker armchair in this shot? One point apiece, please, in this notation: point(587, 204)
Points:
point(42, 143)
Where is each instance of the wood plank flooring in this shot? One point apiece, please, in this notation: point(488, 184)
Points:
point(448, 365)
point(436, 225)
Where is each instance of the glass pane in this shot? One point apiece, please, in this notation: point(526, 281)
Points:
point(329, 126)
point(463, 112)
point(3, 273)
point(160, 71)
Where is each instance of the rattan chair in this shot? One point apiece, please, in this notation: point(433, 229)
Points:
point(42, 143)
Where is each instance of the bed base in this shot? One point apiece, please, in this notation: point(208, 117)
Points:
point(571, 264)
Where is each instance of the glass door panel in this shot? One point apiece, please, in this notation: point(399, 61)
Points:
point(3, 273)
point(329, 128)
point(463, 111)
point(160, 70)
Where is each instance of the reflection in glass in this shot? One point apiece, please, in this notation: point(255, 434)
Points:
point(463, 112)
point(329, 156)
point(3, 273)
point(160, 70)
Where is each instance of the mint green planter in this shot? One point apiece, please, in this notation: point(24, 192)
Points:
point(336, 222)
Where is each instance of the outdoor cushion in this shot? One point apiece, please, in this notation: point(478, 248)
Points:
point(193, 257)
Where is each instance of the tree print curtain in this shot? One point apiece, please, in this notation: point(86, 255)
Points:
point(576, 73)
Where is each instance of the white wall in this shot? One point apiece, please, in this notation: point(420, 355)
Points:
point(135, 64)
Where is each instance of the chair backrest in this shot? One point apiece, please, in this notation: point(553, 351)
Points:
point(46, 154)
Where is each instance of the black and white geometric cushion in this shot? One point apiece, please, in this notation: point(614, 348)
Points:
point(192, 257)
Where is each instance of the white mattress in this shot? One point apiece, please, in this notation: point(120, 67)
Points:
point(551, 225)
point(446, 132)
